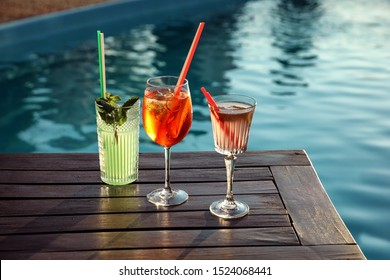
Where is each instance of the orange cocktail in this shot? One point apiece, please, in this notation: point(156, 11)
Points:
point(167, 118)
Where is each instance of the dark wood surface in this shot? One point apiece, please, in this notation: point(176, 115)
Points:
point(54, 206)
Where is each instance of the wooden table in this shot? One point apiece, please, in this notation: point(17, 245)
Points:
point(54, 206)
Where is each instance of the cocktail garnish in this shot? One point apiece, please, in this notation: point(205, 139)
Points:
point(112, 113)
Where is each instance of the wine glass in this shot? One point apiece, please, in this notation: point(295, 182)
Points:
point(167, 118)
point(231, 120)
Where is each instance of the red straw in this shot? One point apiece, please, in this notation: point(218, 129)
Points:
point(209, 98)
point(188, 60)
point(214, 110)
point(214, 107)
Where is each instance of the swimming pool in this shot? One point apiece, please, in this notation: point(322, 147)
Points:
point(319, 70)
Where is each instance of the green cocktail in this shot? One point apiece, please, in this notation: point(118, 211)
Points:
point(118, 139)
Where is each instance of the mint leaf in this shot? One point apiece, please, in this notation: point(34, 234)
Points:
point(106, 111)
point(111, 113)
point(125, 107)
point(130, 102)
point(112, 99)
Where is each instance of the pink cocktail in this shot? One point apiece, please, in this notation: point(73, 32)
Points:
point(231, 121)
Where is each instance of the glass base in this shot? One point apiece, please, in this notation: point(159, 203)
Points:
point(158, 197)
point(218, 209)
point(119, 181)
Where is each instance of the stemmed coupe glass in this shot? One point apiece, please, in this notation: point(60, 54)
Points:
point(231, 120)
point(167, 118)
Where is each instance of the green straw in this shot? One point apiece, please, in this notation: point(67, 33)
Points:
point(102, 71)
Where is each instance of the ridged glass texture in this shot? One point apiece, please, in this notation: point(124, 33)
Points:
point(119, 153)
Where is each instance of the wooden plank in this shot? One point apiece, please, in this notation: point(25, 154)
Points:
point(247, 159)
point(135, 189)
point(149, 239)
point(44, 161)
point(279, 157)
point(132, 221)
point(323, 252)
point(48, 177)
point(271, 203)
point(313, 214)
point(145, 176)
point(90, 161)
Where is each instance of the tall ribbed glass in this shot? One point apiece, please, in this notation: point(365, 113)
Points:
point(119, 148)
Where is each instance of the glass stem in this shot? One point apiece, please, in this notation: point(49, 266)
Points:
point(230, 162)
point(167, 191)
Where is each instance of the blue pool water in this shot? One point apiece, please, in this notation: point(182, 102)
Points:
point(320, 71)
